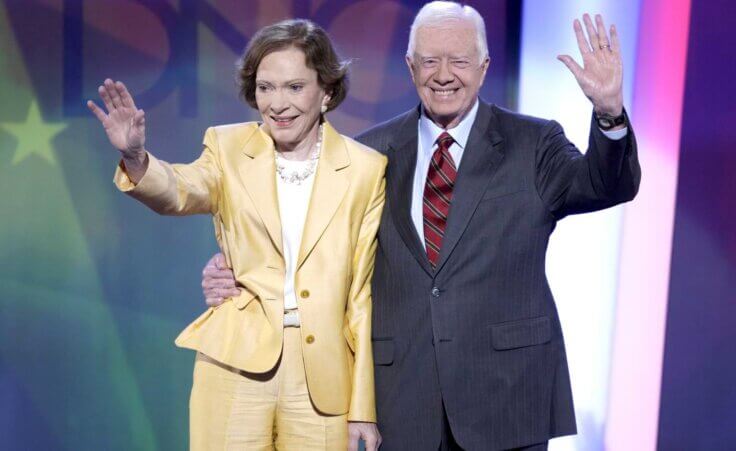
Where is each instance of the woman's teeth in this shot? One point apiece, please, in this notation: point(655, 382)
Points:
point(283, 120)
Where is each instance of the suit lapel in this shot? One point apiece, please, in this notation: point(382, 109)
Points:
point(330, 186)
point(399, 185)
point(482, 155)
point(257, 171)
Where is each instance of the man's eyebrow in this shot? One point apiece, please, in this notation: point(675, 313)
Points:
point(452, 57)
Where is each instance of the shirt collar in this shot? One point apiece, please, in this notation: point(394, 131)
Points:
point(429, 131)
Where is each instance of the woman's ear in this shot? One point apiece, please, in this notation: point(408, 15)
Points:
point(325, 101)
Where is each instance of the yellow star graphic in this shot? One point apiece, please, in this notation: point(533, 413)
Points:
point(34, 136)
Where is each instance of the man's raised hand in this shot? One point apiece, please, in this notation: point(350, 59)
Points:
point(601, 76)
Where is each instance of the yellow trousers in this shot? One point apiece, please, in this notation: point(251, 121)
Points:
point(235, 410)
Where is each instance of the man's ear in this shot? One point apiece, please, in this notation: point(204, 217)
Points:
point(484, 67)
point(409, 64)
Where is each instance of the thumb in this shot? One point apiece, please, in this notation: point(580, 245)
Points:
point(219, 261)
point(139, 119)
point(572, 65)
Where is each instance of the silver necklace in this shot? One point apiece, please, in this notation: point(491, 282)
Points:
point(298, 176)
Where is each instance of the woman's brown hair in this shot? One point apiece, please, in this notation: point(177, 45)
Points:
point(310, 38)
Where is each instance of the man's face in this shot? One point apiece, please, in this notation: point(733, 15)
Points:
point(447, 70)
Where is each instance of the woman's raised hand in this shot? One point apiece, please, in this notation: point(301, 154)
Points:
point(124, 123)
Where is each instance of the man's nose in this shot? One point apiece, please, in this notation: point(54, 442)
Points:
point(444, 75)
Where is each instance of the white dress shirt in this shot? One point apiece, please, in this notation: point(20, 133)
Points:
point(426, 145)
point(428, 132)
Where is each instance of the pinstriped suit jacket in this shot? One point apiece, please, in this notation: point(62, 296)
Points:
point(481, 334)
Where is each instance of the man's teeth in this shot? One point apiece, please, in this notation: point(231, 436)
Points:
point(445, 92)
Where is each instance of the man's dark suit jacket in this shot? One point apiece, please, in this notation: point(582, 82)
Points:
point(480, 333)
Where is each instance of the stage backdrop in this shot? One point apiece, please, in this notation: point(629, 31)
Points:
point(698, 402)
point(93, 286)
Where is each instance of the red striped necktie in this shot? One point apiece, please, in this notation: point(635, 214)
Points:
point(437, 196)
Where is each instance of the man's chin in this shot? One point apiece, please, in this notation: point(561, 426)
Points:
point(445, 116)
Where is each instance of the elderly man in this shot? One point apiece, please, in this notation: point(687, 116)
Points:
point(467, 343)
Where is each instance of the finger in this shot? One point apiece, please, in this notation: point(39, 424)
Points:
point(371, 443)
point(97, 111)
point(208, 283)
point(580, 37)
point(214, 293)
point(353, 443)
point(209, 269)
point(615, 44)
point(105, 99)
point(125, 96)
point(228, 292)
point(215, 273)
point(601, 30)
point(221, 293)
point(139, 118)
point(571, 64)
point(216, 276)
point(214, 302)
point(212, 262)
point(219, 260)
point(592, 34)
point(113, 93)
point(138, 125)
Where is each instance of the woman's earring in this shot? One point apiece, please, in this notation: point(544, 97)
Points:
point(323, 109)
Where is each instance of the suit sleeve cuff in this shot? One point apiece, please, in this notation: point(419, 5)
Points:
point(153, 181)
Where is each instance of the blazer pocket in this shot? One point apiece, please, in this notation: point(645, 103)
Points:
point(522, 333)
point(495, 194)
point(383, 351)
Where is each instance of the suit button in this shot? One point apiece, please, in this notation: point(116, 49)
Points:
point(304, 294)
point(310, 339)
point(436, 292)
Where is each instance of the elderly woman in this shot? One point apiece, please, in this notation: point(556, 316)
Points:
point(296, 206)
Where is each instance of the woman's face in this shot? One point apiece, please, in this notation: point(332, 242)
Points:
point(289, 97)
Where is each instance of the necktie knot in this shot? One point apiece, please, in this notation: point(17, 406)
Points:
point(444, 141)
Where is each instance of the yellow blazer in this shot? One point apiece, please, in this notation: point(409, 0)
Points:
point(235, 180)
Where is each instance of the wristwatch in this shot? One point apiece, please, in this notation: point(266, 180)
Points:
point(607, 121)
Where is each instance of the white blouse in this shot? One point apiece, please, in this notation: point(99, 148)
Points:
point(293, 205)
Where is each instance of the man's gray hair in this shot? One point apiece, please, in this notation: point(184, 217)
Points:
point(438, 13)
